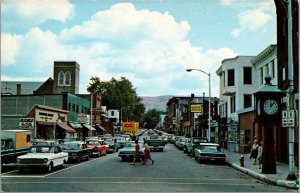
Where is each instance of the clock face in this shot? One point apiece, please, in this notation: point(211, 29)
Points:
point(270, 107)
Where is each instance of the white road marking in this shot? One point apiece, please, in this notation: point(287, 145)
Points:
point(170, 183)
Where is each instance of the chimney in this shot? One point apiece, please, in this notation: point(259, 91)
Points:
point(18, 89)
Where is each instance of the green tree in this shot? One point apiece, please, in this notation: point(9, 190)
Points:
point(151, 119)
point(117, 94)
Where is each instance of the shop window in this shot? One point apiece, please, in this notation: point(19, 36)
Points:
point(245, 137)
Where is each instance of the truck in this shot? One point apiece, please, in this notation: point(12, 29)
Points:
point(13, 144)
point(130, 128)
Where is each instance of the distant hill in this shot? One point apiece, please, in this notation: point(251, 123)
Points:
point(159, 102)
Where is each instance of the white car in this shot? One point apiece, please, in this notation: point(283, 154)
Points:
point(42, 156)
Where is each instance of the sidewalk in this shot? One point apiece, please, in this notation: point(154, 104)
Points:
point(279, 179)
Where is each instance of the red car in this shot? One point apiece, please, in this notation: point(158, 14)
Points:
point(98, 147)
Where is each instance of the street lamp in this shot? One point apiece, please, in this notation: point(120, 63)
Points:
point(209, 105)
point(122, 115)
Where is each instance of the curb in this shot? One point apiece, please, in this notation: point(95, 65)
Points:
point(264, 178)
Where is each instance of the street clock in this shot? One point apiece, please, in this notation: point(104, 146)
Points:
point(268, 103)
point(268, 115)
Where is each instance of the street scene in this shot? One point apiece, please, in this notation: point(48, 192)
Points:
point(172, 171)
point(150, 96)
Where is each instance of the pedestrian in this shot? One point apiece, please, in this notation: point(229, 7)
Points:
point(147, 151)
point(260, 153)
point(137, 153)
point(254, 152)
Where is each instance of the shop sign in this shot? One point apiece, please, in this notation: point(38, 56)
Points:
point(26, 123)
point(196, 108)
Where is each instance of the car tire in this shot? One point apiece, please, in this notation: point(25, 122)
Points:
point(64, 164)
point(21, 170)
point(50, 167)
point(123, 159)
point(87, 157)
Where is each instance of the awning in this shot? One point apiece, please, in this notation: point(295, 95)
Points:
point(89, 127)
point(66, 127)
point(76, 125)
point(100, 127)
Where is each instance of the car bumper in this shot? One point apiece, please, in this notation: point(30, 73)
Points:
point(45, 165)
point(212, 158)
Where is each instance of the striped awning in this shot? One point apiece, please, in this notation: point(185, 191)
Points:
point(66, 127)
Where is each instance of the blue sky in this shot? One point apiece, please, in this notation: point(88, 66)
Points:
point(150, 42)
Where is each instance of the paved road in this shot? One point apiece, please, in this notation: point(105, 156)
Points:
point(172, 172)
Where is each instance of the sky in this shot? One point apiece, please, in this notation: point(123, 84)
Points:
point(150, 42)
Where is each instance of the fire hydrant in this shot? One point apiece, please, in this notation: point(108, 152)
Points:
point(242, 161)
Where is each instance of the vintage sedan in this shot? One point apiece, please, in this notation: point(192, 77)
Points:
point(111, 145)
point(128, 152)
point(98, 147)
point(209, 152)
point(77, 150)
point(42, 156)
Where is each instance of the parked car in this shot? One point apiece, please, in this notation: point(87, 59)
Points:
point(209, 152)
point(98, 147)
point(69, 139)
point(180, 143)
point(176, 138)
point(193, 143)
point(185, 142)
point(111, 145)
point(120, 141)
point(42, 142)
point(77, 150)
point(128, 152)
point(42, 156)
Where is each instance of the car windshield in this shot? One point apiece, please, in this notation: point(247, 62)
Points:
point(120, 139)
point(41, 150)
point(130, 145)
point(209, 147)
point(71, 146)
point(92, 142)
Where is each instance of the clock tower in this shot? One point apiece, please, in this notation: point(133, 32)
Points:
point(268, 115)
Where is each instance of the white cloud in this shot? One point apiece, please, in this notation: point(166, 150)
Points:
point(9, 48)
point(153, 52)
point(39, 11)
point(122, 22)
point(254, 18)
point(227, 2)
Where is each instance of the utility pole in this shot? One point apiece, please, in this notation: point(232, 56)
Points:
point(290, 105)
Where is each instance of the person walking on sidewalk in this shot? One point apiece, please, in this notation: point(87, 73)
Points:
point(254, 152)
point(137, 153)
point(260, 154)
point(147, 151)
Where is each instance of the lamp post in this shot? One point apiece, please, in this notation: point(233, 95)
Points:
point(209, 105)
point(122, 115)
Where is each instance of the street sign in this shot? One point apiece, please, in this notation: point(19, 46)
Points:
point(288, 118)
point(196, 108)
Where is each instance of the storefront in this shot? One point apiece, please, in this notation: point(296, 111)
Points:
point(50, 123)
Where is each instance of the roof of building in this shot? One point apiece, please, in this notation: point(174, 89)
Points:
point(10, 87)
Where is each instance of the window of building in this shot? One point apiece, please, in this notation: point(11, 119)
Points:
point(231, 77)
point(224, 79)
point(232, 104)
point(77, 108)
point(283, 73)
point(67, 79)
point(247, 75)
point(70, 106)
point(73, 107)
point(61, 77)
point(112, 113)
point(247, 100)
point(261, 75)
point(273, 69)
